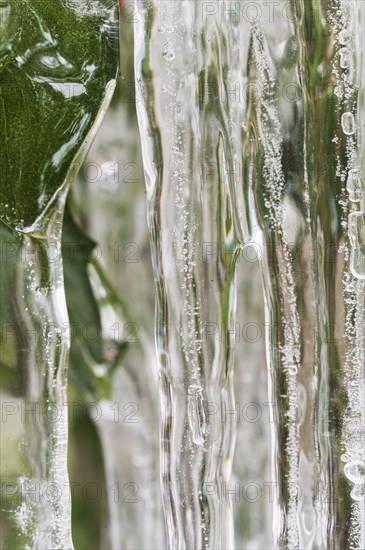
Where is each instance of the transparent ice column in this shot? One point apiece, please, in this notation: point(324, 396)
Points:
point(188, 128)
point(304, 162)
point(35, 340)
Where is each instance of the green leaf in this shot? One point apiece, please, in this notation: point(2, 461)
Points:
point(88, 349)
point(10, 250)
point(57, 60)
point(82, 307)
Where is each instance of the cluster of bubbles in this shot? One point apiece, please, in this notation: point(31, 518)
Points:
point(354, 458)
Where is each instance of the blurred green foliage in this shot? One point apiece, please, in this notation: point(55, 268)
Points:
point(55, 64)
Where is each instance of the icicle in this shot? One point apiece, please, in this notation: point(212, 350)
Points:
point(42, 518)
point(299, 183)
point(183, 63)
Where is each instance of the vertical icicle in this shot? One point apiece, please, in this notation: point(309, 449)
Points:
point(284, 345)
point(303, 148)
point(349, 49)
point(42, 331)
point(182, 70)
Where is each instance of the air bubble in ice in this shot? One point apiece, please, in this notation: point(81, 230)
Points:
point(355, 471)
point(344, 37)
point(344, 58)
point(168, 54)
point(355, 185)
point(357, 237)
point(358, 493)
point(196, 414)
point(23, 517)
point(348, 123)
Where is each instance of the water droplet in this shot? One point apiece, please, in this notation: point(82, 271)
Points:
point(355, 185)
point(348, 123)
